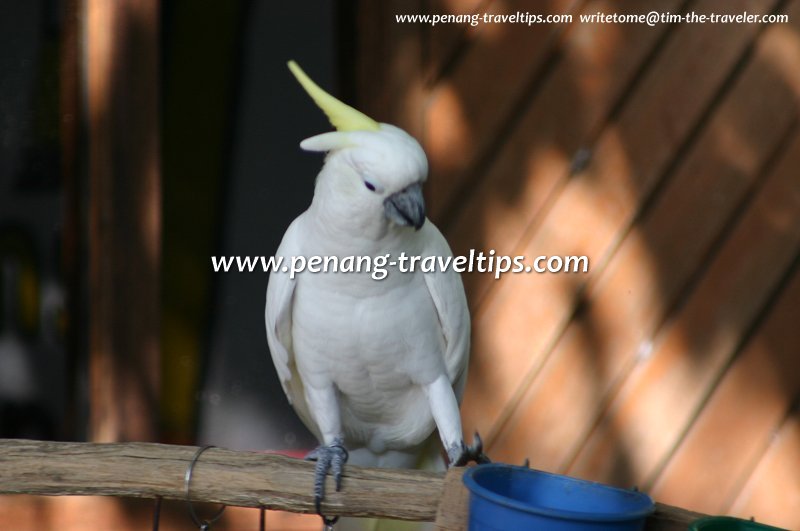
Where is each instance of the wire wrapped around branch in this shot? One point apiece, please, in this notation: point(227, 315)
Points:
point(246, 479)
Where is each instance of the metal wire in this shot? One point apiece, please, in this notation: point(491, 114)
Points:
point(157, 513)
point(203, 525)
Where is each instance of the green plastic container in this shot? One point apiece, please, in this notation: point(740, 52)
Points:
point(728, 523)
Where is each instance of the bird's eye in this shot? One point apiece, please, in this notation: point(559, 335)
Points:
point(370, 186)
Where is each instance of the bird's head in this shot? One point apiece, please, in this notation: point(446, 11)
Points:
point(374, 166)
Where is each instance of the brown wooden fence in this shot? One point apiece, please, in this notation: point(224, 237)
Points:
point(668, 156)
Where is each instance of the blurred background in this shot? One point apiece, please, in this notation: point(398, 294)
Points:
point(139, 138)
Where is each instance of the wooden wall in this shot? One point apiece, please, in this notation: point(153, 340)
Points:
point(669, 156)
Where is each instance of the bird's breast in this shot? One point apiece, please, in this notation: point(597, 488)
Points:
point(381, 337)
point(378, 343)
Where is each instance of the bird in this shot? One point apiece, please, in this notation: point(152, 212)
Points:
point(372, 367)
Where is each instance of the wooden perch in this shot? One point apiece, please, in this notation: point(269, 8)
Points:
point(246, 479)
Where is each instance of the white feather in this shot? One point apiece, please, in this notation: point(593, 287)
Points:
point(383, 362)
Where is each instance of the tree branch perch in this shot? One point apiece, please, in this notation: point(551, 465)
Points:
point(245, 479)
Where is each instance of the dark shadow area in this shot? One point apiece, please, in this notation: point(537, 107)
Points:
point(267, 182)
point(32, 350)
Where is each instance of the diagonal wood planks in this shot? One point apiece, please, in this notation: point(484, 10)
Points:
point(463, 117)
point(737, 424)
point(772, 490)
point(659, 399)
point(564, 117)
point(661, 154)
point(594, 210)
point(654, 264)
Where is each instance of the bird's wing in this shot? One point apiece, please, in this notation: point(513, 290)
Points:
point(278, 314)
point(447, 292)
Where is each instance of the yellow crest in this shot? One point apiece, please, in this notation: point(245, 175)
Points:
point(342, 116)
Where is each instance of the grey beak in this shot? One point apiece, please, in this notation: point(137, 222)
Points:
point(406, 207)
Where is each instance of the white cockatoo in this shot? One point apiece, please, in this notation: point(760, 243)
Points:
point(370, 366)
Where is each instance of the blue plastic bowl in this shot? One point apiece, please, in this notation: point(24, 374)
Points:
point(506, 498)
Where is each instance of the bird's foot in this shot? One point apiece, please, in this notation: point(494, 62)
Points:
point(460, 454)
point(329, 457)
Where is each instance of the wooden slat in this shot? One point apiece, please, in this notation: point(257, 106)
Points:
point(667, 518)
point(453, 511)
point(658, 257)
point(465, 111)
point(524, 314)
point(736, 425)
point(390, 68)
point(122, 58)
point(565, 116)
point(446, 41)
point(772, 494)
point(537, 154)
point(661, 396)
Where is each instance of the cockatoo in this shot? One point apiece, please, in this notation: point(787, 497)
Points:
point(370, 366)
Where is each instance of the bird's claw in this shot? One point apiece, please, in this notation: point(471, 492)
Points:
point(329, 457)
point(460, 454)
